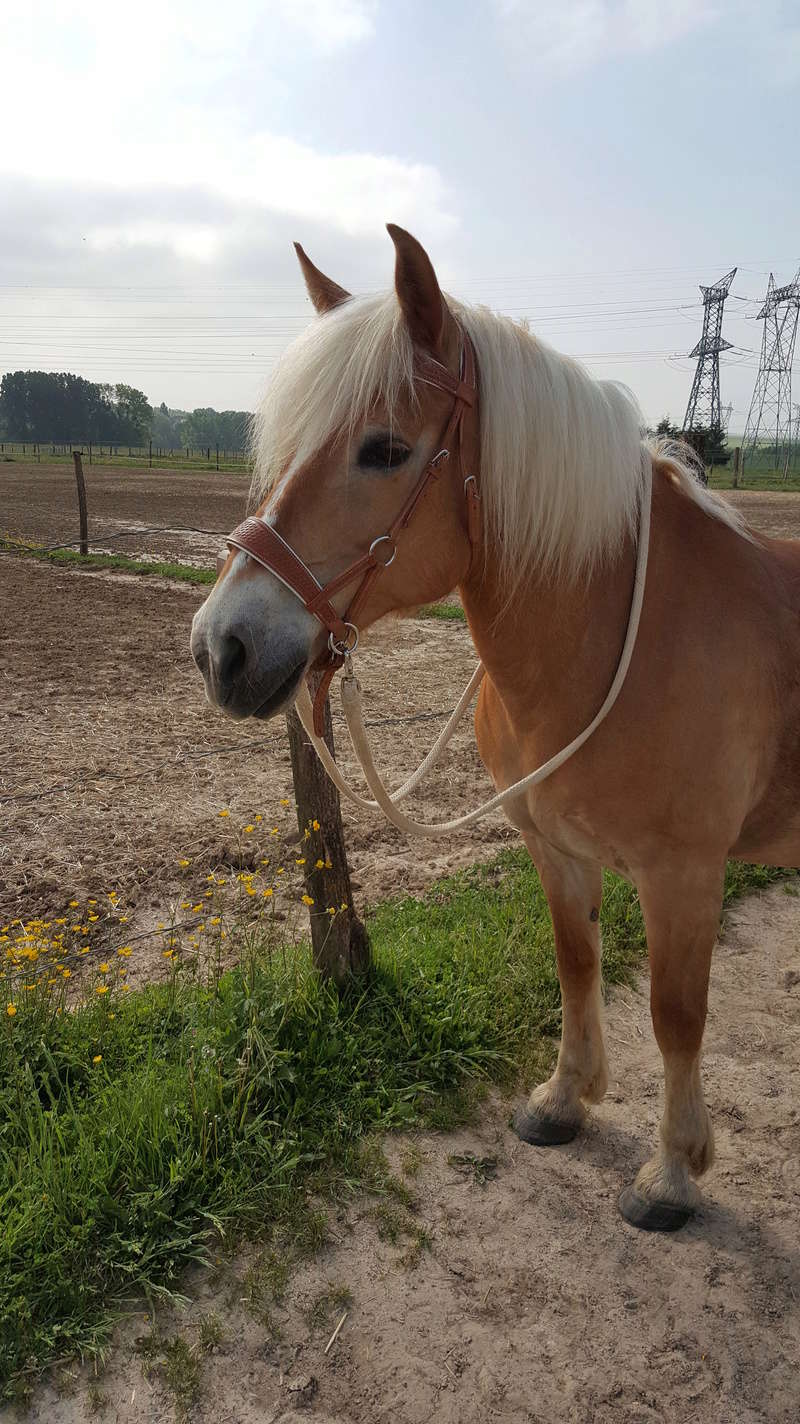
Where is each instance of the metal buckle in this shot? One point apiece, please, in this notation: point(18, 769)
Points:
point(384, 539)
point(437, 459)
point(341, 648)
point(471, 480)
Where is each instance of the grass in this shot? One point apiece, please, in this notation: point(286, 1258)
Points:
point(449, 612)
point(118, 563)
point(136, 1128)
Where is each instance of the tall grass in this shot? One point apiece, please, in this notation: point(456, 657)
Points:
point(135, 1127)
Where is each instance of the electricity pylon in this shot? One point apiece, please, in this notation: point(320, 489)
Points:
point(703, 410)
point(770, 416)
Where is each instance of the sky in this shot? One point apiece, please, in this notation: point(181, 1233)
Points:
point(582, 164)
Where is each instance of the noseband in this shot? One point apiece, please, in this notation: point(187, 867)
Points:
point(262, 543)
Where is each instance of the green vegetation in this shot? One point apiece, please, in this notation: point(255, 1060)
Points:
point(118, 563)
point(449, 612)
point(138, 1125)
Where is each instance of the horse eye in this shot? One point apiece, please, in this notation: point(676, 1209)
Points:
point(379, 452)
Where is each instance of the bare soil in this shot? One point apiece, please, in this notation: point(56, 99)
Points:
point(113, 768)
point(536, 1303)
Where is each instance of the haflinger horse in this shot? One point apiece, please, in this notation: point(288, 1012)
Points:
point(699, 758)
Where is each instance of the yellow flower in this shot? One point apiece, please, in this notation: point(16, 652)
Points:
point(224, 813)
point(258, 818)
point(91, 902)
point(167, 953)
point(197, 908)
point(285, 801)
point(329, 865)
point(104, 968)
point(60, 922)
point(343, 905)
point(98, 1058)
point(126, 986)
point(92, 918)
point(267, 893)
point(85, 949)
point(301, 861)
point(331, 910)
point(112, 1016)
point(249, 889)
point(124, 951)
point(73, 904)
point(184, 863)
point(247, 829)
point(315, 825)
point(307, 899)
point(66, 973)
point(101, 989)
point(319, 864)
point(186, 904)
point(215, 921)
point(11, 1009)
point(123, 919)
point(274, 831)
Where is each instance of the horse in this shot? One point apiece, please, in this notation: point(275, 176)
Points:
point(537, 525)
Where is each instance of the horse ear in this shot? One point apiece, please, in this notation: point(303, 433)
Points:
point(324, 294)
point(421, 301)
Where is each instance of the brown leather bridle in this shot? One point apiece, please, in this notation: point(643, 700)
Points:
point(262, 543)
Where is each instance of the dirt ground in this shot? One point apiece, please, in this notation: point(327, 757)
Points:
point(113, 768)
point(536, 1303)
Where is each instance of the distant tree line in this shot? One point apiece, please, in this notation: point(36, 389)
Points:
point(42, 406)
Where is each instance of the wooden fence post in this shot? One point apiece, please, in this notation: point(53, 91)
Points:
point(82, 515)
point(339, 942)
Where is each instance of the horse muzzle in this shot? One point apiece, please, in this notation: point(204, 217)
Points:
point(243, 679)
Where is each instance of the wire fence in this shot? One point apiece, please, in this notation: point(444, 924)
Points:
point(186, 457)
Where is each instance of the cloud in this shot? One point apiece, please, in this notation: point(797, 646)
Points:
point(154, 97)
point(570, 35)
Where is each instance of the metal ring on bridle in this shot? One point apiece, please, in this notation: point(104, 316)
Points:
point(341, 647)
point(384, 539)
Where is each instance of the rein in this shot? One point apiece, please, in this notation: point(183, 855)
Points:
point(388, 802)
point(262, 543)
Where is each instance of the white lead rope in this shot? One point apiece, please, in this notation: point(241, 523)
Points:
point(387, 802)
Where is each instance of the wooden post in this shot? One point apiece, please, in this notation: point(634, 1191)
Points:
point(217, 454)
point(737, 465)
point(76, 455)
point(339, 942)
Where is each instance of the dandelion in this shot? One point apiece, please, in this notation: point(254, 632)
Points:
point(104, 968)
point(124, 952)
point(268, 893)
point(197, 908)
point(329, 865)
point(315, 825)
point(285, 801)
point(168, 953)
point(319, 864)
point(98, 1058)
point(73, 904)
point(184, 864)
point(307, 899)
point(274, 831)
point(101, 989)
point(250, 890)
point(186, 904)
point(59, 922)
point(301, 861)
point(66, 973)
point(215, 921)
point(92, 918)
point(91, 902)
point(258, 818)
point(123, 919)
point(224, 813)
point(11, 1009)
point(248, 829)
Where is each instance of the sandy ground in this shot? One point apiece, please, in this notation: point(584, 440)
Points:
point(114, 769)
point(536, 1303)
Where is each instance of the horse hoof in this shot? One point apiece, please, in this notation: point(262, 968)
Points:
point(542, 1131)
point(652, 1215)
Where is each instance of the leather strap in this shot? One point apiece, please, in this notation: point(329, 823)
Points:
point(258, 539)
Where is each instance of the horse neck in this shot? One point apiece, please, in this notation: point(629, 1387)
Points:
point(551, 650)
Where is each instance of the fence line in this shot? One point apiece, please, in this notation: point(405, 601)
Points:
point(196, 456)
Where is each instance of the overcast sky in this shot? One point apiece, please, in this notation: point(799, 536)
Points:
point(583, 163)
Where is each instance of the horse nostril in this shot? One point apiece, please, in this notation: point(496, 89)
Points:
point(231, 661)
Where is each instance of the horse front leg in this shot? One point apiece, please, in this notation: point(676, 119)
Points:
point(681, 912)
point(555, 1110)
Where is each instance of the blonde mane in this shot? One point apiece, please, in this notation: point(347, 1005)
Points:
point(562, 455)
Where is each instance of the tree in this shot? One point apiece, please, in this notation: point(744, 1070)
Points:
point(667, 427)
point(134, 414)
